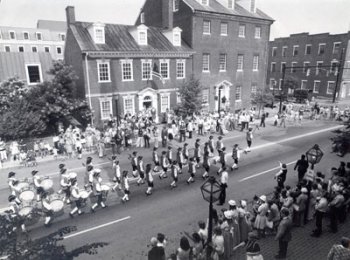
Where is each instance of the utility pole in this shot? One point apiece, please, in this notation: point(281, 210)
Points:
point(338, 75)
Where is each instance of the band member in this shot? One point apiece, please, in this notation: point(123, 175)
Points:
point(164, 164)
point(249, 139)
point(206, 165)
point(90, 177)
point(88, 163)
point(47, 209)
point(191, 170)
point(12, 181)
point(77, 198)
point(62, 167)
point(149, 178)
point(141, 169)
point(180, 159)
point(14, 208)
point(97, 190)
point(65, 185)
point(222, 160)
point(219, 145)
point(206, 148)
point(197, 152)
point(169, 154)
point(174, 174)
point(211, 145)
point(126, 186)
point(36, 181)
point(155, 159)
point(235, 157)
point(185, 152)
point(117, 176)
point(134, 164)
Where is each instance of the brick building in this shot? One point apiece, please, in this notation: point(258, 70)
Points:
point(115, 63)
point(304, 50)
point(230, 40)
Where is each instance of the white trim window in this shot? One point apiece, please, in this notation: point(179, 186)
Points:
point(254, 88)
point(33, 73)
point(292, 69)
point(206, 27)
point(317, 84)
point(273, 66)
point(308, 49)
point(12, 35)
point(34, 49)
point(272, 83)
point(295, 50)
point(241, 31)
point(129, 105)
point(20, 48)
point(283, 65)
point(59, 50)
point(7, 48)
point(223, 28)
point(25, 35)
point(334, 65)
point(222, 62)
point(146, 67)
point(62, 36)
point(176, 4)
point(274, 51)
point(47, 48)
point(205, 97)
point(306, 66)
point(206, 62)
point(106, 108)
point(318, 64)
point(127, 70)
point(164, 102)
point(336, 47)
point(230, 4)
point(255, 62)
point(180, 69)
point(178, 98)
point(257, 32)
point(284, 51)
point(103, 71)
point(330, 87)
point(164, 68)
point(238, 94)
point(39, 36)
point(303, 84)
point(99, 33)
point(321, 48)
point(205, 2)
point(177, 39)
point(142, 37)
point(240, 62)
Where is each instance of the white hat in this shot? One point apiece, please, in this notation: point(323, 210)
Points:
point(228, 214)
point(232, 203)
point(304, 190)
point(263, 198)
point(72, 175)
point(243, 203)
point(98, 170)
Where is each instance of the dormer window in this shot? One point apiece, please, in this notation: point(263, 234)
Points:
point(230, 4)
point(143, 37)
point(205, 2)
point(176, 4)
point(99, 35)
point(177, 39)
point(39, 36)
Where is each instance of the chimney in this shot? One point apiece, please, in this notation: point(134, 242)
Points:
point(167, 14)
point(70, 15)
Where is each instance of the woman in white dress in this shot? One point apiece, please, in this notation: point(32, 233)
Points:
point(260, 221)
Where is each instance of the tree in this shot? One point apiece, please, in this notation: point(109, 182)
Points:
point(18, 246)
point(191, 96)
point(261, 98)
point(290, 82)
point(9, 91)
point(341, 142)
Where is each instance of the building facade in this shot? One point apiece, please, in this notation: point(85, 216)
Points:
point(126, 69)
point(230, 41)
point(312, 62)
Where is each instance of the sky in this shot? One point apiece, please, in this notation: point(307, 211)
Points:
point(291, 16)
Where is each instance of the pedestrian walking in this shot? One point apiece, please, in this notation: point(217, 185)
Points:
point(284, 234)
point(47, 209)
point(149, 178)
point(262, 120)
point(301, 166)
point(174, 174)
point(211, 145)
point(141, 170)
point(165, 164)
point(249, 139)
point(222, 159)
point(117, 176)
point(180, 159)
point(134, 164)
point(219, 144)
point(169, 154)
point(283, 117)
point(164, 136)
point(190, 129)
point(77, 199)
point(281, 176)
point(235, 157)
point(191, 170)
point(197, 153)
point(97, 191)
point(206, 165)
point(155, 158)
point(185, 152)
point(223, 185)
point(260, 221)
point(156, 137)
point(126, 186)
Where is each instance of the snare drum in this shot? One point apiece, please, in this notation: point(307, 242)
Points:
point(84, 194)
point(46, 184)
point(27, 194)
point(104, 191)
point(22, 185)
point(25, 209)
point(56, 202)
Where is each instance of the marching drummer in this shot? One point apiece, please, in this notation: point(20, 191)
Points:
point(141, 170)
point(65, 185)
point(180, 159)
point(149, 178)
point(169, 154)
point(191, 170)
point(47, 209)
point(197, 152)
point(155, 158)
point(206, 165)
point(97, 190)
point(11, 179)
point(165, 164)
point(88, 163)
point(14, 209)
point(185, 152)
point(90, 177)
point(222, 160)
point(174, 174)
point(36, 181)
point(134, 163)
point(77, 198)
point(117, 176)
point(211, 145)
point(219, 145)
point(126, 186)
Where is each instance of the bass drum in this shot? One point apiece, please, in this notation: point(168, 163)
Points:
point(57, 203)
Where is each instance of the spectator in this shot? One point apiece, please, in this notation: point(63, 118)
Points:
point(157, 252)
point(198, 250)
point(184, 252)
point(218, 244)
point(320, 210)
point(260, 221)
point(284, 234)
point(251, 246)
point(340, 252)
point(300, 209)
point(153, 254)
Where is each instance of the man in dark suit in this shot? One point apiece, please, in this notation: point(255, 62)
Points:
point(284, 234)
point(302, 165)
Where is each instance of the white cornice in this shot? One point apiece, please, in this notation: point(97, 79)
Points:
point(138, 54)
point(21, 42)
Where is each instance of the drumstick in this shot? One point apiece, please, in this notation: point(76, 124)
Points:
point(83, 164)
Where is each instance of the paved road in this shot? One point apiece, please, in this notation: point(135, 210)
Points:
point(128, 227)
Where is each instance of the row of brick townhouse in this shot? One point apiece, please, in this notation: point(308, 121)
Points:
point(317, 58)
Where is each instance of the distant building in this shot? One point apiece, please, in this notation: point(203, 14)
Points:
point(115, 63)
point(230, 40)
point(304, 50)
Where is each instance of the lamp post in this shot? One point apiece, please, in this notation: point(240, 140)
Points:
point(219, 97)
point(210, 191)
point(314, 155)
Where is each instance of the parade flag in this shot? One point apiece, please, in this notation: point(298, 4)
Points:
point(155, 73)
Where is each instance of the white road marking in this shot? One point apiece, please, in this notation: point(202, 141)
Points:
point(94, 228)
point(264, 172)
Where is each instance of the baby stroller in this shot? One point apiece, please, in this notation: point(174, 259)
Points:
point(31, 159)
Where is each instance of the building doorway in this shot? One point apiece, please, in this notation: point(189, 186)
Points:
point(147, 102)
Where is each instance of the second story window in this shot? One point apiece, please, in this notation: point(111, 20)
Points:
point(146, 69)
point(39, 36)
point(59, 50)
point(273, 66)
point(222, 62)
point(238, 95)
point(62, 37)
point(274, 51)
point(47, 49)
point(26, 36)
point(318, 65)
point(241, 31)
point(295, 50)
point(12, 35)
point(307, 49)
point(306, 66)
point(240, 61)
point(7, 48)
point(206, 62)
point(321, 48)
point(206, 27)
point(127, 70)
point(34, 49)
point(336, 47)
point(256, 63)
point(180, 69)
point(103, 71)
point(223, 29)
point(284, 51)
point(257, 32)
point(293, 70)
point(176, 4)
point(164, 68)
point(20, 48)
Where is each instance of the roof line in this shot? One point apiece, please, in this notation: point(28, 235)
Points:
point(193, 10)
point(218, 13)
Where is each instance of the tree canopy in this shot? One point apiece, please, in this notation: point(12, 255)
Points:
point(191, 96)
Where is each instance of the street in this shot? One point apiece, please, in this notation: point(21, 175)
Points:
point(128, 227)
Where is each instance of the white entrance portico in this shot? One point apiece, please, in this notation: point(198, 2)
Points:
point(148, 99)
point(224, 88)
